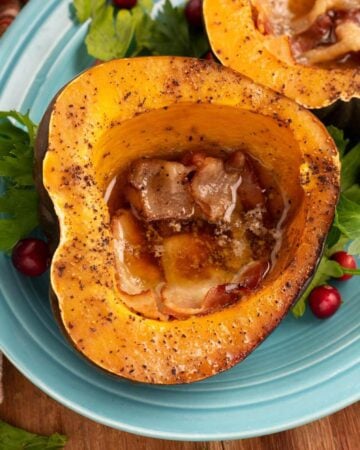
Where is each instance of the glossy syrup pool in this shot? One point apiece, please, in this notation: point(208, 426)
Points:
point(197, 253)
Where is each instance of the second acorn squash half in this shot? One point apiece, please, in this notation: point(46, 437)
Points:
point(119, 111)
point(267, 59)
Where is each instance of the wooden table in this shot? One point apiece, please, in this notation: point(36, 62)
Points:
point(27, 407)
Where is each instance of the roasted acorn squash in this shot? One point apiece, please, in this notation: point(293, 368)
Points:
point(239, 43)
point(119, 111)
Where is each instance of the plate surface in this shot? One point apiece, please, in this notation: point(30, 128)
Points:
point(307, 368)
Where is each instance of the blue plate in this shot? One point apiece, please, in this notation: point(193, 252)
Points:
point(307, 369)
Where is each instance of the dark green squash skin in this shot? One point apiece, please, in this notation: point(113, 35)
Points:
point(343, 115)
point(47, 215)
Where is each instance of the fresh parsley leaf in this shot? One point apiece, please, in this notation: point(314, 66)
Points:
point(19, 200)
point(22, 119)
point(348, 217)
point(325, 270)
point(101, 40)
point(350, 168)
point(353, 193)
point(146, 5)
point(84, 9)
point(12, 438)
point(125, 30)
point(115, 33)
point(339, 245)
point(199, 43)
point(354, 247)
point(20, 210)
point(10, 137)
point(118, 33)
point(143, 33)
point(339, 139)
point(171, 34)
point(18, 165)
point(333, 237)
point(299, 308)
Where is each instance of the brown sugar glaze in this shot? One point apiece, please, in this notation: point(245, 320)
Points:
point(195, 234)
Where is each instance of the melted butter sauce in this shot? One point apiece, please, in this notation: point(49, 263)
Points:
point(195, 266)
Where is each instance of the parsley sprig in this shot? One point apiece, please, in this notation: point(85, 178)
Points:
point(18, 200)
point(117, 33)
point(12, 438)
point(345, 231)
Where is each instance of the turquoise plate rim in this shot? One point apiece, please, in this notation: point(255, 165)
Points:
point(177, 437)
point(10, 46)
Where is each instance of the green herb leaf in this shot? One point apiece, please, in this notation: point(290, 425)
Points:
point(299, 308)
point(199, 44)
point(347, 271)
point(339, 245)
point(12, 438)
point(348, 217)
point(11, 136)
point(115, 33)
point(338, 136)
point(19, 201)
point(18, 166)
point(125, 30)
point(333, 237)
point(354, 247)
point(143, 33)
point(84, 9)
point(353, 193)
point(350, 168)
point(146, 5)
point(101, 40)
point(325, 270)
point(20, 209)
point(344, 115)
point(22, 119)
point(171, 34)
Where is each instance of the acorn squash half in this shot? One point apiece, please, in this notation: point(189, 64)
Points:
point(267, 59)
point(122, 110)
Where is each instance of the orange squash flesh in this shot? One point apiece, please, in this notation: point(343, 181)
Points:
point(119, 111)
point(238, 44)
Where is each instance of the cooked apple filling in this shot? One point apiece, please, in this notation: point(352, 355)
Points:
point(194, 235)
point(329, 32)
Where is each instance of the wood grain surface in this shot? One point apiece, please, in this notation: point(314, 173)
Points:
point(27, 407)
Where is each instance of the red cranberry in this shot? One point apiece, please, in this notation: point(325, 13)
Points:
point(5, 22)
point(31, 257)
point(345, 260)
point(194, 13)
point(125, 4)
point(324, 301)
